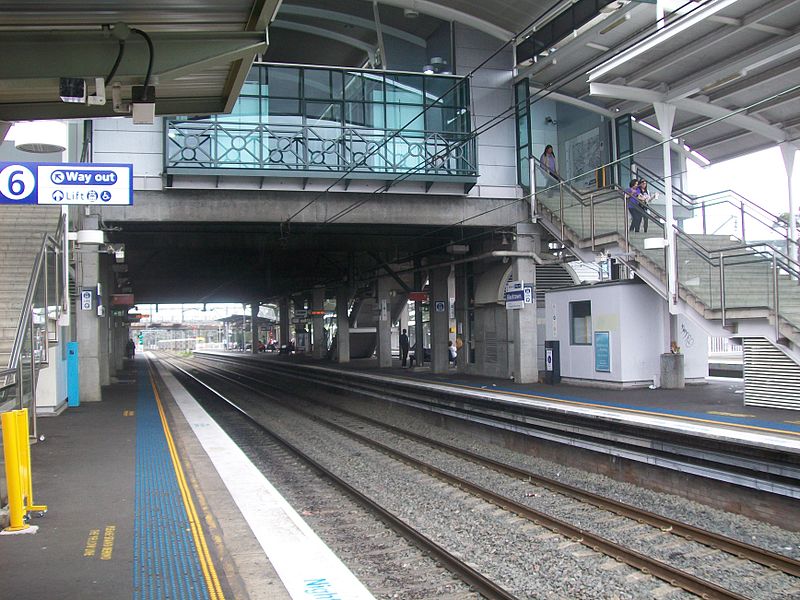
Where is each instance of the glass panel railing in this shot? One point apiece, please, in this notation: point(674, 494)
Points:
point(25, 379)
point(748, 281)
point(637, 240)
point(788, 279)
point(698, 274)
point(328, 120)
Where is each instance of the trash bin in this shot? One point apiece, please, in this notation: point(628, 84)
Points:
point(552, 362)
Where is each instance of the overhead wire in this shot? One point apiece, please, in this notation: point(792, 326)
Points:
point(505, 114)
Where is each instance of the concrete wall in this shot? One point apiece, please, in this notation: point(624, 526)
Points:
point(492, 93)
point(118, 140)
point(637, 320)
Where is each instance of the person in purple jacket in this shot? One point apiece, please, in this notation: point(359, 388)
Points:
point(632, 196)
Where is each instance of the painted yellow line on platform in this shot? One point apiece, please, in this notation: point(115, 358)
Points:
point(91, 543)
point(108, 542)
point(729, 414)
point(206, 564)
point(623, 409)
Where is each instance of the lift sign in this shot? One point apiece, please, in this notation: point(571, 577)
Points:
point(65, 183)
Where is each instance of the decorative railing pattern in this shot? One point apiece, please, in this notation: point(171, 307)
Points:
point(335, 149)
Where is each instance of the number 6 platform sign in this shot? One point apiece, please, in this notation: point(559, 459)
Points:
point(65, 183)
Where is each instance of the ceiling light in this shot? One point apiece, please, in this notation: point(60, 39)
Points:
point(410, 13)
point(40, 136)
point(662, 35)
point(428, 70)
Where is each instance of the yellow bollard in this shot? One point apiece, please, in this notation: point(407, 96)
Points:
point(26, 474)
point(16, 506)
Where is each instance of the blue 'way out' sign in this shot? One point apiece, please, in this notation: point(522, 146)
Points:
point(65, 183)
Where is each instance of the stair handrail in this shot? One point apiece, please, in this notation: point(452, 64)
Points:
point(761, 215)
point(14, 367)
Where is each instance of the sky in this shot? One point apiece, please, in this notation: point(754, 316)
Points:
point(760, 177)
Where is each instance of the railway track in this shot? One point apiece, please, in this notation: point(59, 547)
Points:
point(612, 518)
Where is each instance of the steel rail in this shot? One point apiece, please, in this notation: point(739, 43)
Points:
point(467, 407)
point(645, 564)
point(735, 547)
point(469, 575)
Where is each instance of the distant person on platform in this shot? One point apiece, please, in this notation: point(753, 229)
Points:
point(130, 348)
point(452, 353)
point(404, 346)
point(548, 162)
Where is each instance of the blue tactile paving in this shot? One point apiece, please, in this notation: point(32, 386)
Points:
point(165, 558)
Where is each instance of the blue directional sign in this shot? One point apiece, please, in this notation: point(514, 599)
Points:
point(66, 183)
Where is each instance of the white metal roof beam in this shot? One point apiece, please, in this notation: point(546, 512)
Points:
point(332, 15)
point(446, 13)
point(746, 61)
point(751, 19)
point(693, 106)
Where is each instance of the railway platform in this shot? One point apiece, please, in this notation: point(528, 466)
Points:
point(149, 499)
point(715, 405)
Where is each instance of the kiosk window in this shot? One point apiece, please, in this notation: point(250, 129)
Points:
point(580, 323)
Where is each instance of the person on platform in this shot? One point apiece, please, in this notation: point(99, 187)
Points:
point(404, 346)
point(451, 352)
point(130, 348)
point(644, 199)
point(631, 194)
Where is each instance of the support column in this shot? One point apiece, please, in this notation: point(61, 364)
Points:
point(665, 113)
point(283, 316)
point(419, 331)
point(384, 342)
point(440, 319)
point(523, 322)
point(254, 327)
point(462, 316)
point(342, 325)
point(88, 323)
point(789, 150)
point(318, 348)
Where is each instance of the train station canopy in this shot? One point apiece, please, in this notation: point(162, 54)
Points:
point(730, 67)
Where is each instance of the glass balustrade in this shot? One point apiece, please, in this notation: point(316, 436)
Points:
point(315, 121)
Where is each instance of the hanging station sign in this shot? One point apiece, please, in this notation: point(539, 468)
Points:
point(53, 184)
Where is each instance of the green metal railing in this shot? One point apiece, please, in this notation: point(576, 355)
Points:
point(37, 328)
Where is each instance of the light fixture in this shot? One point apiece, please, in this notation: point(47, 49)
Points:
point(90, 236)
point(40, 136)
point(410, 13)
point(428, 70)
point(661, 36)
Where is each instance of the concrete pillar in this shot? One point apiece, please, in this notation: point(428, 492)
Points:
point(254, 327)
point(384, 342)
point(342, 325)
point(522, 322)
point(318, 349)
point(462, 315)
point(419, 331)
point(440, 319)
point(402, 319)
point(88, 323)
point(283, 321)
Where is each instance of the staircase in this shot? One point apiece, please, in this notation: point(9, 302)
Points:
point(735, 287)
point(22, 229)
